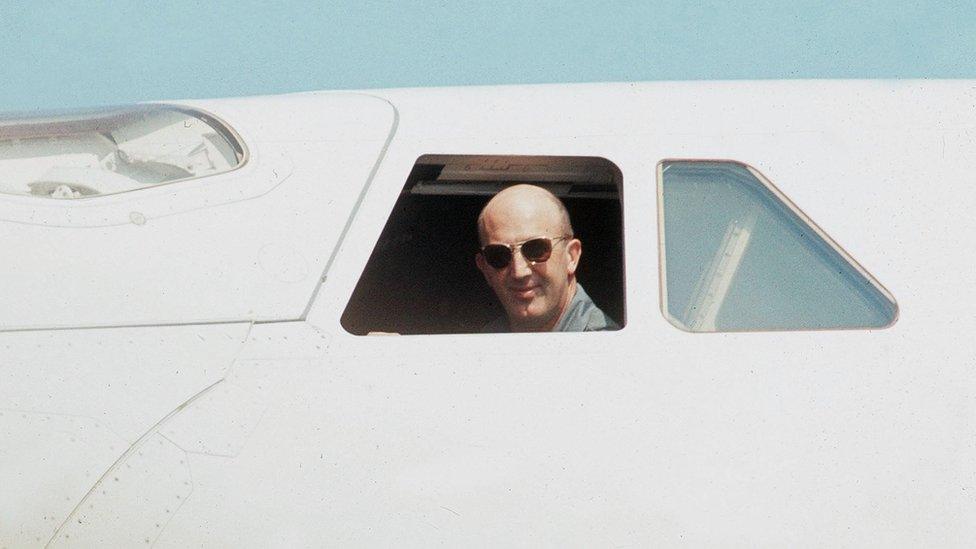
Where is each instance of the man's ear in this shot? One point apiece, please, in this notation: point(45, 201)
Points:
point(479, 260)
point(574, 249)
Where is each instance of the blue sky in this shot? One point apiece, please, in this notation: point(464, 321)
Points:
point(86, 53)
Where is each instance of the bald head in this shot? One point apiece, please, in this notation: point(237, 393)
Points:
point(524, 202)
point(534, 290)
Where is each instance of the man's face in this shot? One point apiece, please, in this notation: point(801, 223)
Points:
point(533, 295)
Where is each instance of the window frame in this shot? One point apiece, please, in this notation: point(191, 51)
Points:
point(783, 200)
point(25, 126)
point(408, 185)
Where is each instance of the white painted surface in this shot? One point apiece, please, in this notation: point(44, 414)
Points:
point(649, 436)
point(73, 403)
point(241, 246)
point(134, 502)
point(48, 463)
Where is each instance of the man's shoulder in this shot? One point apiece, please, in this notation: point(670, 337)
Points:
point(583, 315)
point(598, 321)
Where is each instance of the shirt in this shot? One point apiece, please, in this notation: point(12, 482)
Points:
point(581, 315)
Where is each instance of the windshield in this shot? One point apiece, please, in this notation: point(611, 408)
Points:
point(91, 153)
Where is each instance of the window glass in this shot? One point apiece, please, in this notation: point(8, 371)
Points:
point(91, 153)
point(738, 256)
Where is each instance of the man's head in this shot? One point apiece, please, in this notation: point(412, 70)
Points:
point(533, 293)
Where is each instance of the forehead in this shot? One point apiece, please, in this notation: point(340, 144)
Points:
point(516, 220)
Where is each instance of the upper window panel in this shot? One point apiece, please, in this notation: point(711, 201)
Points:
point(92, 153)
point(737, 255)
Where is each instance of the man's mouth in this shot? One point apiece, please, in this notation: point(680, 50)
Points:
point(524, 293)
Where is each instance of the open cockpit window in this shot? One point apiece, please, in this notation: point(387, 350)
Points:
point(107, 151)
point(546, 254)
point(737, 255)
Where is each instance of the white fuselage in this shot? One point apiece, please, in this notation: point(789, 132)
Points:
point(186, 381)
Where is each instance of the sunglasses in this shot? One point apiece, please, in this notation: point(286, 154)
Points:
point(534, 250)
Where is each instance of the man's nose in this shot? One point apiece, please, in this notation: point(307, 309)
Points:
point(520, 266)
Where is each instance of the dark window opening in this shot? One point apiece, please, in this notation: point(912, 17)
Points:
point(421, 277)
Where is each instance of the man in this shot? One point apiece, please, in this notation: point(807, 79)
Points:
point(529, 256)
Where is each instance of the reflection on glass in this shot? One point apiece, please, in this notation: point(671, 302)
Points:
point(77, 155)
point(736, 257)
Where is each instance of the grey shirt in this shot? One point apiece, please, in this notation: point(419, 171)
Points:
point(581, 315)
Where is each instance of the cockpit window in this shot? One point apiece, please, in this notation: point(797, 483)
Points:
point(737, 255)
point(489, 244)
point(92, 153)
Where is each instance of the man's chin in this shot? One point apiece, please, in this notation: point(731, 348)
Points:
point(522, 310)
point(525, 315)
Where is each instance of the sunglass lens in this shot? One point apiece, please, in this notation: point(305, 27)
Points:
point(537, 249)
point(497, 256)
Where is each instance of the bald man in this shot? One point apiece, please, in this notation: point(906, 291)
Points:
point(529, 256)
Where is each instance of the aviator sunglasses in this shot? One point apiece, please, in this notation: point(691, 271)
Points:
point(534, 250)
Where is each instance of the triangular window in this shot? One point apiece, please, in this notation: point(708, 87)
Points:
point(737, 255)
